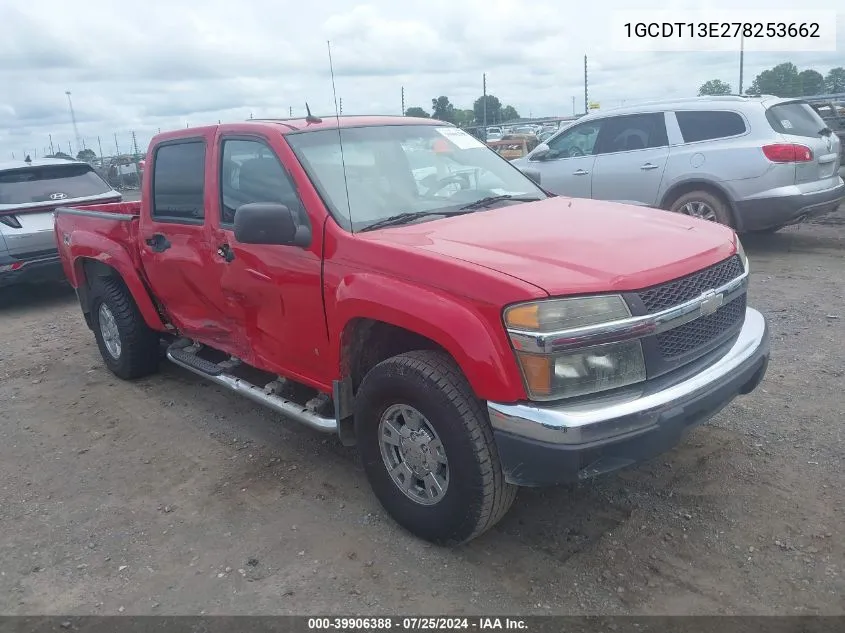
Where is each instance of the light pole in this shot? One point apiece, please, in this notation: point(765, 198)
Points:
point(741, 59)
point(73, 119)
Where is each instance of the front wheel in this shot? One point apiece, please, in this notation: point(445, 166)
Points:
point(428, 448)
point(129, 347)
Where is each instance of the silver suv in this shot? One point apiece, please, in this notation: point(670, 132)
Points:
point(29, 192)
point(753, 163)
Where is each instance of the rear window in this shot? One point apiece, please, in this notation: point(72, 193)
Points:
point(50, 184)
point(798, 119)
point(707, 125)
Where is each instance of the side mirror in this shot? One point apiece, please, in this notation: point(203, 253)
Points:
point(540, 152)
point(269, 223)
point(533, 174)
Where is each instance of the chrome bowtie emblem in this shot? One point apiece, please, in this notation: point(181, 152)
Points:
point(710, 302)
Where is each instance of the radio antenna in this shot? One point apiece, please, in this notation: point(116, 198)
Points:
point(340, 137)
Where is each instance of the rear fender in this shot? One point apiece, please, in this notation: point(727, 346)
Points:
point(472, 334)
point(92, 247)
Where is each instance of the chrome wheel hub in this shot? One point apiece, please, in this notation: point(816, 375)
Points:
point(413, 454)
point(699, 209)
point(108, 329)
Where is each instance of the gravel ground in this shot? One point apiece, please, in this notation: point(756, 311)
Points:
point(168, 495)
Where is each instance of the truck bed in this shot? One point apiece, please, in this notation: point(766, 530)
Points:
point(101, 232)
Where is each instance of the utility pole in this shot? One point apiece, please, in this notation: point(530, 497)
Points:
point(484, 102)
point(573, 106)
point(290, 111)
point(340, 109)
point(50, 136)
point(100, 145)
point(586, 102)
point(69, 149)
point(73, 120)
point(403, 100)
point(741, 59)
point(134, 143)
point(116, 146)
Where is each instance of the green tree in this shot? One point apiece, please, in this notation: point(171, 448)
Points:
point(417, 111)
point(86, 154)
point(509, 113)
point(834, 81)
point(494, 109)
point(60, 155)
point(464, 117)
point(443, 109)
point(812, 82)
point(782, 81)
point(714, 87)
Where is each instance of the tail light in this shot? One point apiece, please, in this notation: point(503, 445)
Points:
point(788, 153)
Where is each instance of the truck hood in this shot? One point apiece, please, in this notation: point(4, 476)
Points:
point(571, 245)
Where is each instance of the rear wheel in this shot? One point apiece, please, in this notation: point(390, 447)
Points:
point(428, 448)
point(130, 349)
point(704, 205)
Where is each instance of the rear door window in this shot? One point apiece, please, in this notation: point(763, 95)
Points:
point(632, 132)
point(708, 125)
point(796, 118)
point(50, 184)
point(179, 182)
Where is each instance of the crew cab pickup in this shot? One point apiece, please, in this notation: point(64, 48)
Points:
point(394, 281)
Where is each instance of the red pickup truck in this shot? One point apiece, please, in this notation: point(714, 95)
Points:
point(394, 281)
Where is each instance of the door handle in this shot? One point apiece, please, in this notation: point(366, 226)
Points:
point(580, 172)
point(648, 166)
point(158, 243)
point(225, 251)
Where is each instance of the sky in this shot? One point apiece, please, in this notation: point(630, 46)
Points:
point(145, 66)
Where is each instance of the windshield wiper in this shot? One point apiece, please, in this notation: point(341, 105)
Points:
point(486, 202)
point(405, 218)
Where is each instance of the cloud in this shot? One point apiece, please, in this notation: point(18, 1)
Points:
point(159, 65)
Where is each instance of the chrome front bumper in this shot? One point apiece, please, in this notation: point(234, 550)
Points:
point(623, 425)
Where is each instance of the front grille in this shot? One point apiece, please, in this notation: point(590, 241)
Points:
point(699, 333)
point(671, 294)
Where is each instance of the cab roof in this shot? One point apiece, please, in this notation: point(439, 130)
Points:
point(303, 124)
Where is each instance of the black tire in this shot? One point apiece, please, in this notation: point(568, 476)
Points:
point(138, 355)
point(720, 208)
point(477, 496)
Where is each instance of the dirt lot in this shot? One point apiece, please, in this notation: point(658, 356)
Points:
point(168, 495)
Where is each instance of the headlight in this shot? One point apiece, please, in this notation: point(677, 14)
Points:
point(550, 376)
point(740, 250)
point(589, 370)
point(565, 314)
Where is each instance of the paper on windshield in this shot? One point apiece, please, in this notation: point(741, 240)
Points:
point(459, 138)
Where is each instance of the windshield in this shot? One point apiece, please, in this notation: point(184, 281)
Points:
point(395, 169)
point(50, 183)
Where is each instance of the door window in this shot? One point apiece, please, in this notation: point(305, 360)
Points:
point(633, 132)
point(250, 172)
point(579, 140)
point(179, 182)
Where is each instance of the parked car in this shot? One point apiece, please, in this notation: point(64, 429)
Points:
point(513, 146)
point(831, 109)
point(752, 163)
point(469, 335)
point(29, 192)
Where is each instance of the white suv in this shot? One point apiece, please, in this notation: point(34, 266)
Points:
point(753, 163)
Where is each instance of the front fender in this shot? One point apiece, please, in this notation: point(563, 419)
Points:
point(472, 333)
point(94, 247)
